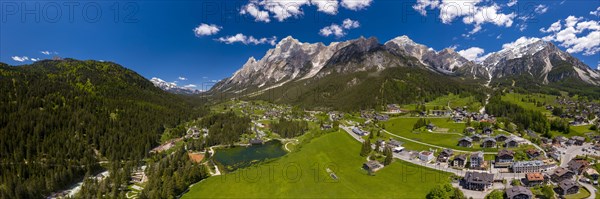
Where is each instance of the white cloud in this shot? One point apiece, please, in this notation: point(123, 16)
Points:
point(20, 59)
point(541, 9)
point(350, 24)
point(571, 21)
point(258, 14)
point(45, 52)
point(576, 35)
point(471, 12)
point(356, 4)
point(241, 38)
point(339, 30)
point(182, 78)
point(35, 59)
point(553, 28)
point(511, 3)
point(422, 5)
point(332, 29)
point(190, 86)
point(326, 6)
point(206, 29)
point(472, 53)
point(263, 10)
point(522, 27)
point(596, 12)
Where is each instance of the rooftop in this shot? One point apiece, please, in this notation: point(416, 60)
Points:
point(518, 190)
point(535, 176)
point(528, 163)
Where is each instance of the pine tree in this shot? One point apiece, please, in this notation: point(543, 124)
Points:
point(388, 156)
point(366, 148)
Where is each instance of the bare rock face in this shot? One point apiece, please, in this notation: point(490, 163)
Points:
point(540, 60)
point(292, 60)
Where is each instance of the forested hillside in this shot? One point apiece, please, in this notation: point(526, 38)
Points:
point(372, 89)
point(59, 119)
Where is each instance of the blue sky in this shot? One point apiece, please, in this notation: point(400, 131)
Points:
point(196, 40)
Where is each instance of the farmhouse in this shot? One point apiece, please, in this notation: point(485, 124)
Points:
point(578, 166)
point(519, 192)
point(445, 155)
point(528, 166)
point(560, 140)
point(431, 126)
point(578, 140)
point(394, 143)
point(470, 130)
point(501, 138)
point(505, 156)
point(393, 108)
point(567, 187)
point(512, 142)
point(372, 166)
point(478, 181)
point(559, 174)
point(459, 161)
point(532, 153)
point(476, 137)
point(487, 131)
point(465, 142)
point(534, 178)
point(488, 143)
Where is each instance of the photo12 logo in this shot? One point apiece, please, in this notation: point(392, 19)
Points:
point(69, 11)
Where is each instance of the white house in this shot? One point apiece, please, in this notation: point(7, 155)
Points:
point(426, 156)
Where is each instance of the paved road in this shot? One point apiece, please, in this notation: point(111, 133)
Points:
point(570, 152)
point(217, 171)
point(591, 189)
point(445, 168)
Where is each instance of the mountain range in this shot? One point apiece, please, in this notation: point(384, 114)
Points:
point(172, 87)
point(292, 66)
point(529, 61)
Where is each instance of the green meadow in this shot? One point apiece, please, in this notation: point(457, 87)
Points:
point(308, 173)
point(447, 138)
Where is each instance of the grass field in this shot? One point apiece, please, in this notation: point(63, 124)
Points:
point(455, 101)
point(583, 193)
point(403, 127)
point(575, 131)
point(516, 98)
point(303, 174)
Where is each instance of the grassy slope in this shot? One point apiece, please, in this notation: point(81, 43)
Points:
point(337, 151)
point(516, 99)
point(455, 101)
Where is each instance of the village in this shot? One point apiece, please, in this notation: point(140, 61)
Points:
point(566, 164)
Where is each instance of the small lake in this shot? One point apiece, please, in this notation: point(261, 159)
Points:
point(242, 156)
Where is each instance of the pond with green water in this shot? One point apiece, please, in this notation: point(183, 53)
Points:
point(243, 156)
